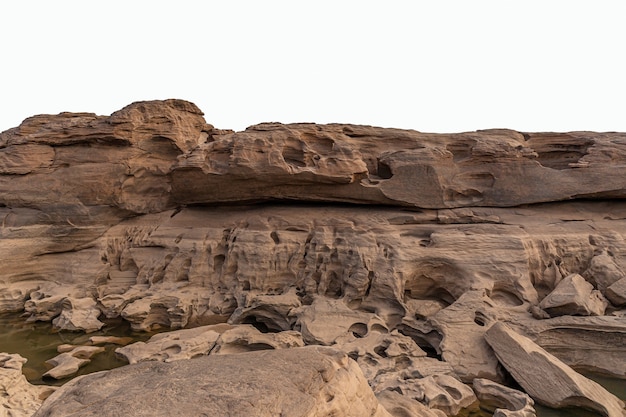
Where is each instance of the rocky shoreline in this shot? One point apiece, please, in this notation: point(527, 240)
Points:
point(375, 271)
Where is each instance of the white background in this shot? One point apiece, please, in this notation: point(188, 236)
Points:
point(433, 66)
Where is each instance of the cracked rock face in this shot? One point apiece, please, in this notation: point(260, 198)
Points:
point(400, 249)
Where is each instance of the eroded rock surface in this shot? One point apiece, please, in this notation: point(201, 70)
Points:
point(18, 398)
point(311, 381)
point(545, 378)
point(397, 247)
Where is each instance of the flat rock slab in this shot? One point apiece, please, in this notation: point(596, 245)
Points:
point(545, 378)
point(310, 381)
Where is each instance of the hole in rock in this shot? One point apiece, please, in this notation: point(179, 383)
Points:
point(258, 346)
point(381, 351)
point(334, 289)
point(358, 329)
point(218, 263)
point(294, 156)
point(384, 170)
point(559, 151)
point(479, 319)
point(261, 325)
point(505, 298)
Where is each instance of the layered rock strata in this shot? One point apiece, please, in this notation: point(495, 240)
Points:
point(399, 248)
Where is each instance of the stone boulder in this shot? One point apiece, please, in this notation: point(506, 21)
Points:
point(616, 292)
point(18, 398)
point(503, 401)
point(71, 360)
point(574, 296)
point(300, 382)
point(545, 378)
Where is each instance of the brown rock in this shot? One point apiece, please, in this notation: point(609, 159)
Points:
point(503, 401)
point(574, 296)
point(545, 378)
point(70, 361)
point(616, 292)
point(18, 398)
point(309, 381)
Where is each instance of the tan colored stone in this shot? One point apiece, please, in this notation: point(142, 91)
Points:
point(616, 292)
point(574, 296)
point(545, 378)
point(172, 346)
point(78, 314)
point(311, 381)
point(503, 401)
point(18, 398)
point(70, 361)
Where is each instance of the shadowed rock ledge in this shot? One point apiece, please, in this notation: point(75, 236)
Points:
point(398, 248)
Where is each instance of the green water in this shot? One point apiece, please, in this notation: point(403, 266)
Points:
point(37, 342)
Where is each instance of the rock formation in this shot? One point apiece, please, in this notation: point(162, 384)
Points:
point(18, 398)
point(308, 382)
point(399, 248)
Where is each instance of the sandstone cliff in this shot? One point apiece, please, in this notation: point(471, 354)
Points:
point(399, 248)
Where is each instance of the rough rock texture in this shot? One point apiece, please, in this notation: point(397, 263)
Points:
point(71, 360)
point(397, 247)
point(574, 296)
point(503, 401)
point(302, 382)
point(545, 378)
point(212, 339)
point(18, 398)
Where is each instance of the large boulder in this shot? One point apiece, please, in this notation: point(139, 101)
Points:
point(302, 382)
point(574, 296)
point(545, 378)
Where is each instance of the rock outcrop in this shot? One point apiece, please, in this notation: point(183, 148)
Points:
point(401, 249)
point(310, 381)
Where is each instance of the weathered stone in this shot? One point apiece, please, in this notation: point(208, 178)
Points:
point(13, 297)
point(69, 362)
point(311, 381)
point(78, 314)
point(545, 378)
point(574, 296)
point(503, 401)
point(18, 398)
point(172, 346)
point(594, 343)
point(152, 214)
point(245, 338)
point(603, 271)
point(441, 392)
point(399, 405)
point(463, 346)
point(114, 340)
point(616, 292)
point(273, 311)
point(325, 320)
point(212, 339)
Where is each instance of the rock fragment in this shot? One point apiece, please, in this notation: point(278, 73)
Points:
point(503, 401)
point(574, 296)
point(69, 362)
point(545, 378)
